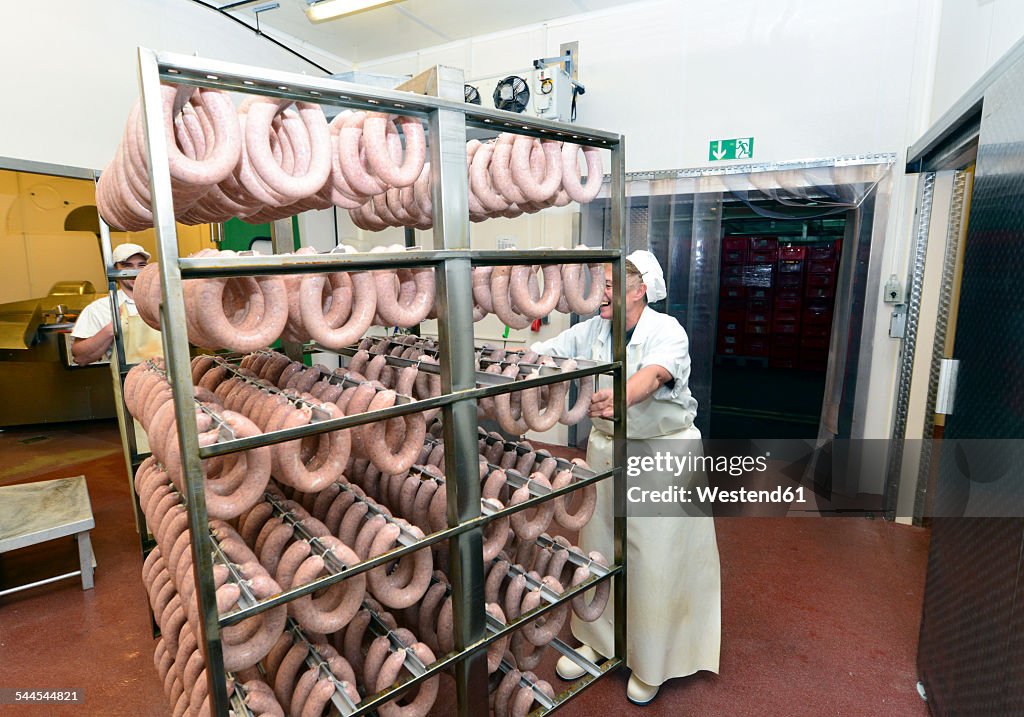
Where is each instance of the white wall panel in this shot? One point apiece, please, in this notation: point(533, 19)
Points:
point(490, 57)
point(806, 79)
point(974, 34)
point(70, 69)
point(1007, 28)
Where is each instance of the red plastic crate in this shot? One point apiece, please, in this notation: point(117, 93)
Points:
point(827, 251)
point(734, 250)
point(729, 337)
point(817, 331)
point(732, 311)
point(758, 243)
point(821, 280)
point(821, 266)
point(730, 344)
point(819, 292)
point(780, 362)
point(758, 328)
point(788, 303)
point(817, 312)
point(788, 352)
point(759, 292)
point(785, 327)
point(732, 292)
point(791, 267)
point(759, 310)
point(732, 281)
point(789, 316)
point(792, 253)
point(790, 281)
point(761, 256)
point(733, 270)
point(785, 341)
point(789, 292)
point(733, 327)
point(756, 346)
point(813, 343)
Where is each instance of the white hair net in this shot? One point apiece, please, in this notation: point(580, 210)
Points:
point(651, 272)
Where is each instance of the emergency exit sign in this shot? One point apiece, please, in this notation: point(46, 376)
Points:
point(738, 148)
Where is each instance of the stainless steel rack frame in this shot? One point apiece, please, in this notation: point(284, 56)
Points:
point(447, 120)
point(120, 366)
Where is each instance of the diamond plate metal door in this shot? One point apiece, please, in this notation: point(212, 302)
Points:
point(971, 638)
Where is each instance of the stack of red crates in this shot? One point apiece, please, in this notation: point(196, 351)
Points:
point(819, 291)
point(745, 311)
point(776, 301)
point(788, 303)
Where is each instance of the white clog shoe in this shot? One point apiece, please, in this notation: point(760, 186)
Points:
point(639, 692)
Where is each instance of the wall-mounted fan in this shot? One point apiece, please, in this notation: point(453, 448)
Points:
point(472, 95)
point(512, 94)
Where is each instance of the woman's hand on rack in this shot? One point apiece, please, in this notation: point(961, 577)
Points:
point(640, 386)
point(602, 404)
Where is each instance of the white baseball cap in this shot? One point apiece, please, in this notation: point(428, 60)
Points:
point(123, 251)
point(650, 270)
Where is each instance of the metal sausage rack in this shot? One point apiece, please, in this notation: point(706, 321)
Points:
point(447, 118)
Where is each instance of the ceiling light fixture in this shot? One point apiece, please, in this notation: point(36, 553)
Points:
point(318, 11)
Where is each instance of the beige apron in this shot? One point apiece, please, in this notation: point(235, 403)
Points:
point(673, 571)
point(141, 342)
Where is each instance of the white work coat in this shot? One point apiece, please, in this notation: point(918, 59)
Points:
point(673, 570)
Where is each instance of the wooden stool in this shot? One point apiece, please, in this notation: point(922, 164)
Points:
point(33, 513)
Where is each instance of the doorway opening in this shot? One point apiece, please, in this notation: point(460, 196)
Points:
point(777, 281)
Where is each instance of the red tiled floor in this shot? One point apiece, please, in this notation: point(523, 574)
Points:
point(820, 617)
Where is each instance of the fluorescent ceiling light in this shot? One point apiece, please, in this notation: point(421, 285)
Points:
point(329, 9)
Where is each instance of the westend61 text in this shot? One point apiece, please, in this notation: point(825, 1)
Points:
point(705, 494)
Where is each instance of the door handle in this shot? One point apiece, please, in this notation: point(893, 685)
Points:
point(946, 395)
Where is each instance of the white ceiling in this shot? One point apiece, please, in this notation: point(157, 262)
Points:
point(410, 25)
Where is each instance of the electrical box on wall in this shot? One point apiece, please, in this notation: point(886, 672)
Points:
point(552, 94)
point(893, 291)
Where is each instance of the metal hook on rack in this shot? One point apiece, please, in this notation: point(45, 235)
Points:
point(545, 701)
point(334, 566)
point(487, 506)
point(224, 431)
point(515, 479)
point(405, 536)
point(288, 515)
point(317, 412)
point(340, 699)
point(345, 378)
point(545, 592)
point(238, 705)
point(576, 558)
point(423, 473)
point(246, 598)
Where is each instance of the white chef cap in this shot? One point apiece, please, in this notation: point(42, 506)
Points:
point(651, 272)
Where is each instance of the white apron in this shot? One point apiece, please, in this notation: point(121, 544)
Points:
point(673, 572)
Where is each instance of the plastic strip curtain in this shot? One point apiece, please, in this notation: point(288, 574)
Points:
point(678, 217)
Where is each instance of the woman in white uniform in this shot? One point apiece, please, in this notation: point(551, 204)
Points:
point(673, 572)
